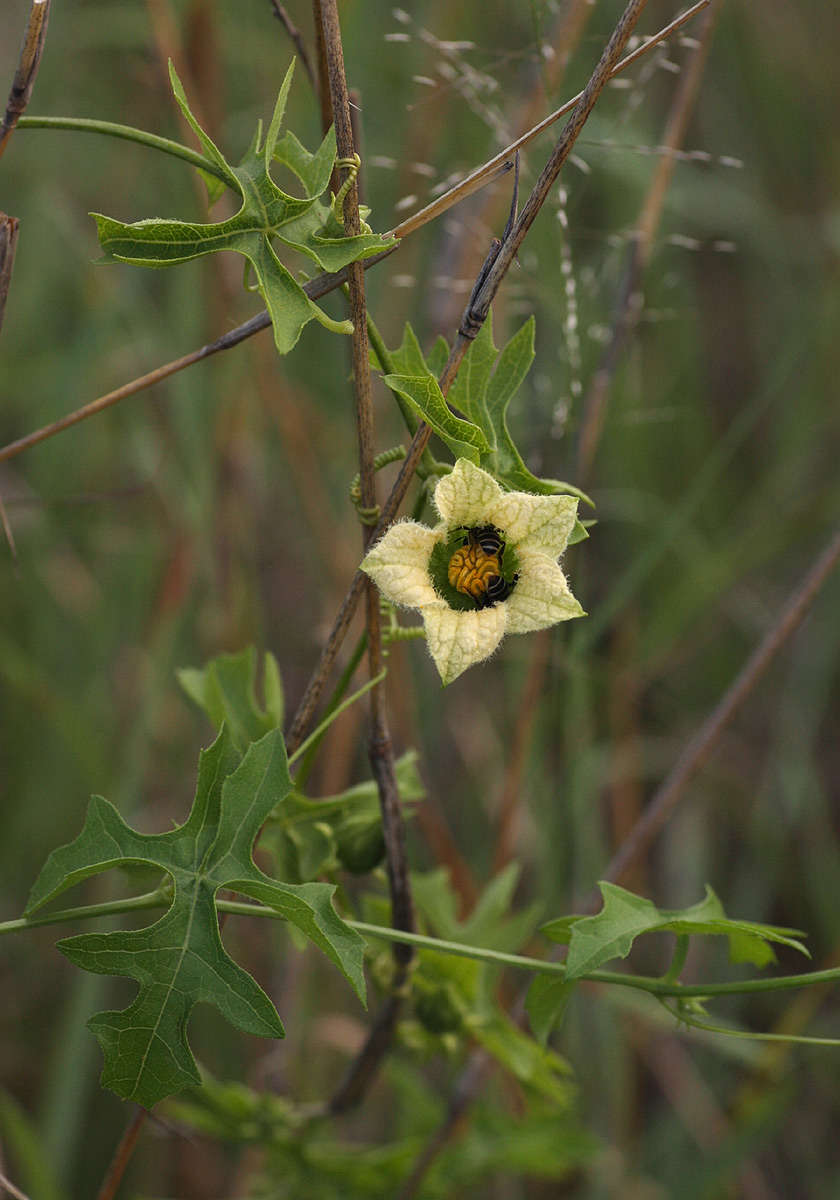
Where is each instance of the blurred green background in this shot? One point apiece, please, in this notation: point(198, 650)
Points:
point(211, 512)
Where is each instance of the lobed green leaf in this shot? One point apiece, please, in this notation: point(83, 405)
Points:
point(482, 390)
point(463, 438)
point(209, 147)
point(180, 961)
point(313, 170)
point(266, 212)
point(225, 691)
point(624, 917)
point(277, 117)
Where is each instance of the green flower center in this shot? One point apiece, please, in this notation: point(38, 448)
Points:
point(474, 568)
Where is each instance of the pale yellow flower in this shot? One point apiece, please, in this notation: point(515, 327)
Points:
point(460, 630)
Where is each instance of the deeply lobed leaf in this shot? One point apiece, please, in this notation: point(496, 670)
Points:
point(266, 212)
point(482, 390)
point(180, 961)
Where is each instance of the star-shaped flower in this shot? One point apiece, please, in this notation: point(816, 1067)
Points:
point(489, 568)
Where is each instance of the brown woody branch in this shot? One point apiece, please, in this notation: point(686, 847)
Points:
point(9, 228)
point(476, 313)
point(314, 289)
point(296, 37)
point(122, 1156)
point(21, 90)
point(364, 1069)
point(490, 170)
point(27, 68)
point(6, 1185)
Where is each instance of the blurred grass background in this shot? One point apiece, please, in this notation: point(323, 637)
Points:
point(212, 512)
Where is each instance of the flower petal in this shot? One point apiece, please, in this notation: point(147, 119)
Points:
point(456, 640)
point(399, 564)
point(541, 596)
point(464, 496)
point(541, 523)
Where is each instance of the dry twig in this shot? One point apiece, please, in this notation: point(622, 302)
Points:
point(22, 84)
point(380, 749)
point(323, 77)
point(489, 170)
point(9, 228)
point(27, 68)
point(122, 1156)
point(315, 288)
point(6, 1185)
point(296, 37)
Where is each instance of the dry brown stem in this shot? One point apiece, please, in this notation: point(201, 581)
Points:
point(296, 38)
point(364, 1068)
point(122, 1156)
point(6, 1185)
point(9, 229)
point(490, 170)
point(27, 68)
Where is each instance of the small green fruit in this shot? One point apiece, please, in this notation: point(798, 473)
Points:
point(359, 843)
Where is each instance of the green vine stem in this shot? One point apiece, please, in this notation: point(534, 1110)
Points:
point(339, 690)
point(678, 961)
point(319, 730)
point(88, 912)
point(655, 987)
point(129, 134)
point(681, 1014)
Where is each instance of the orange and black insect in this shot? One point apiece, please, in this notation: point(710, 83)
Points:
point(475, 569)
point(489, 539)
